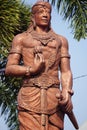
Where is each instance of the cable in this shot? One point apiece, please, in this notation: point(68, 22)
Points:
point(80, 76)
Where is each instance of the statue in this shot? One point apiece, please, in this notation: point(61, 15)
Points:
point(42, 103)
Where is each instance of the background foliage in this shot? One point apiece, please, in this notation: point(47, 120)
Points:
point(14, 19)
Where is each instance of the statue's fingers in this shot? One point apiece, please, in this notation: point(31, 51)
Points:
point(41, 57)
point(63, 102)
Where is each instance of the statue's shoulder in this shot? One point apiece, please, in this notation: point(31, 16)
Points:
point(63, 40)
point(60, 38)
point(19, 37)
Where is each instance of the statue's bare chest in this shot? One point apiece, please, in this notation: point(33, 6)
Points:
point(46, 43)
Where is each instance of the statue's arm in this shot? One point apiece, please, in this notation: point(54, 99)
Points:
point(13, 67)
point(66, 77)
point(66, 83)
point(66, 74)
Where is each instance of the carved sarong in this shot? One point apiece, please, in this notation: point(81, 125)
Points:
point(40, 85)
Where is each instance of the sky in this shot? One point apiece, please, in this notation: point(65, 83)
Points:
point(78, 63)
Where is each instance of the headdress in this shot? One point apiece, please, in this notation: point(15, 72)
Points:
point(40, 4)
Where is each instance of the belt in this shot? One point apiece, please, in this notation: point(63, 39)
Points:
point(44, 81)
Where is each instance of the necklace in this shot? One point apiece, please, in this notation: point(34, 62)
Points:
point(44, 38)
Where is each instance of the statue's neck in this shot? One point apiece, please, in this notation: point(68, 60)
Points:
point(42, 30)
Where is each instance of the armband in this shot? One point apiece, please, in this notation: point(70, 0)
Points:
point(65, 55)
point(15, 51)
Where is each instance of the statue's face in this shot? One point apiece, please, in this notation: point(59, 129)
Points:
point(42, 17)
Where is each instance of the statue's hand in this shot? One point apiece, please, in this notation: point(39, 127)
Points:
point(39, 63)
point(65, 102)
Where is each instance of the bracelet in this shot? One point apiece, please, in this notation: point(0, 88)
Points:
point(28, 71)
point(71, 92)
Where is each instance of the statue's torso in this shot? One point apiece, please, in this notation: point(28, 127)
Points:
point(50, 51)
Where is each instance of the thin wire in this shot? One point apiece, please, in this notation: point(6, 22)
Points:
point(80, 76)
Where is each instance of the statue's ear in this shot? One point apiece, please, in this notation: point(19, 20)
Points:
point(33, 21)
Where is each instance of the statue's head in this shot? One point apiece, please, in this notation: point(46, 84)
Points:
point(41, 14)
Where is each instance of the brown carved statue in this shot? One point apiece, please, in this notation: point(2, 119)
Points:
point(42, 103)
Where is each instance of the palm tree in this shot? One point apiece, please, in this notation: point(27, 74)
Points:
point(74, 11)
point(14, 18)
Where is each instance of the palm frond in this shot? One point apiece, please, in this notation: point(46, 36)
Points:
point(14, 19)
point(74, 11)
